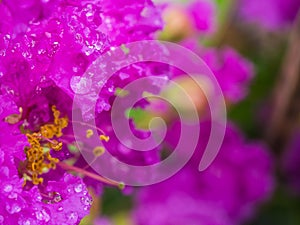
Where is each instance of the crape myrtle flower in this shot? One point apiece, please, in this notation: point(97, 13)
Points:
point(45, 47)
point(280, 13)
point(62, 196)
point(34, 206)
point(130, 20)
point(188, 19)
point(228, 192)
point(203, 13)
point(233, 72)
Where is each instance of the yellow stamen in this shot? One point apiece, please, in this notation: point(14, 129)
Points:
point(104, 138)
point(98, 151)
point(39, 159)
point(89, 133)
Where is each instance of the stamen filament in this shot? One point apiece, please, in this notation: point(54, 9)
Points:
point(87, 173)
point(88, 125)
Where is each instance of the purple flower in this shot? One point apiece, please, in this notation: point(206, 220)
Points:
point(63, 202)
point(226, 193)
point(130, 20)
point(188, 19)
point(232, 71)
point(24, 12)
point(45, 47)
point(181, 208)
point(62, 197)
point(270, 14)
point(203, 13)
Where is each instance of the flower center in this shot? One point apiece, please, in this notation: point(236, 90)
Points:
point(38, 157)
point(38, 154)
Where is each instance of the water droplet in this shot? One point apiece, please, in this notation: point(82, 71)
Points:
point(86, 32)
point(42, 215)
point(53, 197)
point(123, 76)
point(8, 188)
point(81, 85)
point(88, 50)
point(38, 90)
point(89, 16)
point(79, 38)
point(72, 217)
point(14, 208)
point(74, 22)
point(75, 69)
point(78, 188)
point(10, 91)
point(59, 209)
point(111, 89)
point(17, 208)
point(57, 198)
point(24, 222)
point(86, 200)
point(39, 215)
point(42, 51)
point(13, 195)
point(106, 107)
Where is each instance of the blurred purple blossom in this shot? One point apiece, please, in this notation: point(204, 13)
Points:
point(233, 72)
point(203, 14)
point(228, 192)
point(270, 14)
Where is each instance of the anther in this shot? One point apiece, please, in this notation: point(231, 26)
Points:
point(89, 133)
point(98, 151)
point(104, 138)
